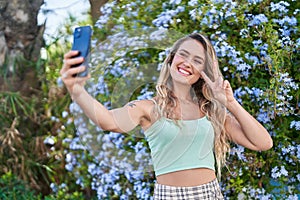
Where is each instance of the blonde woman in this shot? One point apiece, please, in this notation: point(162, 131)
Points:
point(188, 124)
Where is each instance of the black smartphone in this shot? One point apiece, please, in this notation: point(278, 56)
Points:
point(82, 43)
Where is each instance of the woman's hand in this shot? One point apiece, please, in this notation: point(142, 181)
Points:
point(74, 84)
point(220, 88)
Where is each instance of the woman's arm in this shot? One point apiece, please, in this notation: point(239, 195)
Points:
point(241, 127)
point(245, 130)
point(121, 120)
point(118, 120)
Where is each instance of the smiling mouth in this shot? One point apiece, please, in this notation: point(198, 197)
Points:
point(184, 72)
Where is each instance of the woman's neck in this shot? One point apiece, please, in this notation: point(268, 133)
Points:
point(182, 91)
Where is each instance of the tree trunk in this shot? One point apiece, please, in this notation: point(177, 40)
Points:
point(20, 42)
point(95, 9)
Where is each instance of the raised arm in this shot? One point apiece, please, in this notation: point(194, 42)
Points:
point(245, 130)
point(118, 120)
point(241, 127)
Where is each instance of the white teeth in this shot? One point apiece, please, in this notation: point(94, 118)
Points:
point(183, 71)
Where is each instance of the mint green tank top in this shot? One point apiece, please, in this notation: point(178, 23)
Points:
point(186, 145)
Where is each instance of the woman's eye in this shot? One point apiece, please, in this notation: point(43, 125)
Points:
point(183, 54)
point(199, 62)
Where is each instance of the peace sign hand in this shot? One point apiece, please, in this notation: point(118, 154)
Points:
point(220, 88)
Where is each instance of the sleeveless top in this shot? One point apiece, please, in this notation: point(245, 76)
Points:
point(179, 146)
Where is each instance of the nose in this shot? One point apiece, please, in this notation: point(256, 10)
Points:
point(187, 63)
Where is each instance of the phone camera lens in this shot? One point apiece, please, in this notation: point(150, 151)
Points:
point(77, 33)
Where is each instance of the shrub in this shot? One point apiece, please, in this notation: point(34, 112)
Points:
point(11, 188)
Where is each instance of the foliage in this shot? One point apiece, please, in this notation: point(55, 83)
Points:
point(22, 149)
point(63, 192)
point(33, 127)
point(257, 43)
point(11, 188)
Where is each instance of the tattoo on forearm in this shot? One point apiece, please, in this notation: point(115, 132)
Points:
point(131, 104)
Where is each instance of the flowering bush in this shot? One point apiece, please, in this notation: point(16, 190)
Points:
point(258, 48)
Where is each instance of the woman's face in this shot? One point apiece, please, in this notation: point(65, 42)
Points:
point(188, 62)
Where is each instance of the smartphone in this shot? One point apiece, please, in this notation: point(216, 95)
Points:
point(82, 43)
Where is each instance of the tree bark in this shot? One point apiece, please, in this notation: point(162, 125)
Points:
point(20, 42)
point(95, 9)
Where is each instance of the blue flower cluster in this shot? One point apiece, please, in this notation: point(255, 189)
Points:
point(287, 84)
point(296, 125)
point(215, 15)
point(255, 193)
point(291, 153)
point(280, 6)
point(106, 11)
point(113, 163)
point(225, 50)
point(278, 172)
point(239, 152)
point(167, 17)
point(256, 19)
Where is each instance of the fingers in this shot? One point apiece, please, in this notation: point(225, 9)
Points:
point(73, 61)
point(70, 82)
point(219, 82)
point(71, 72)
point(69, 60)
point(217, 78)
point(216, 69)
point(70, 54)
point(73, 83)
point(226, 84)
point(206, 78)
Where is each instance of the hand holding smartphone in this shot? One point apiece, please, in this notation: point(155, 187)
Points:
point(81, 43)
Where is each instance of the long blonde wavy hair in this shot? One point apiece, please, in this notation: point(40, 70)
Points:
point(200, 91)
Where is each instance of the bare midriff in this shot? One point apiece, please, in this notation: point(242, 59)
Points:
point(187, 178)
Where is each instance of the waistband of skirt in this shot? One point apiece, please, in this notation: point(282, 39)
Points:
point(213, 183)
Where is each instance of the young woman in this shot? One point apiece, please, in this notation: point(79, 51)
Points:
point(187, 124)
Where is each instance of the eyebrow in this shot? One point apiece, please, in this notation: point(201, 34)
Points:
point(185, 51)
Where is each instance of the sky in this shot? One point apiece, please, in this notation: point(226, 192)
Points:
point(61, 10)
